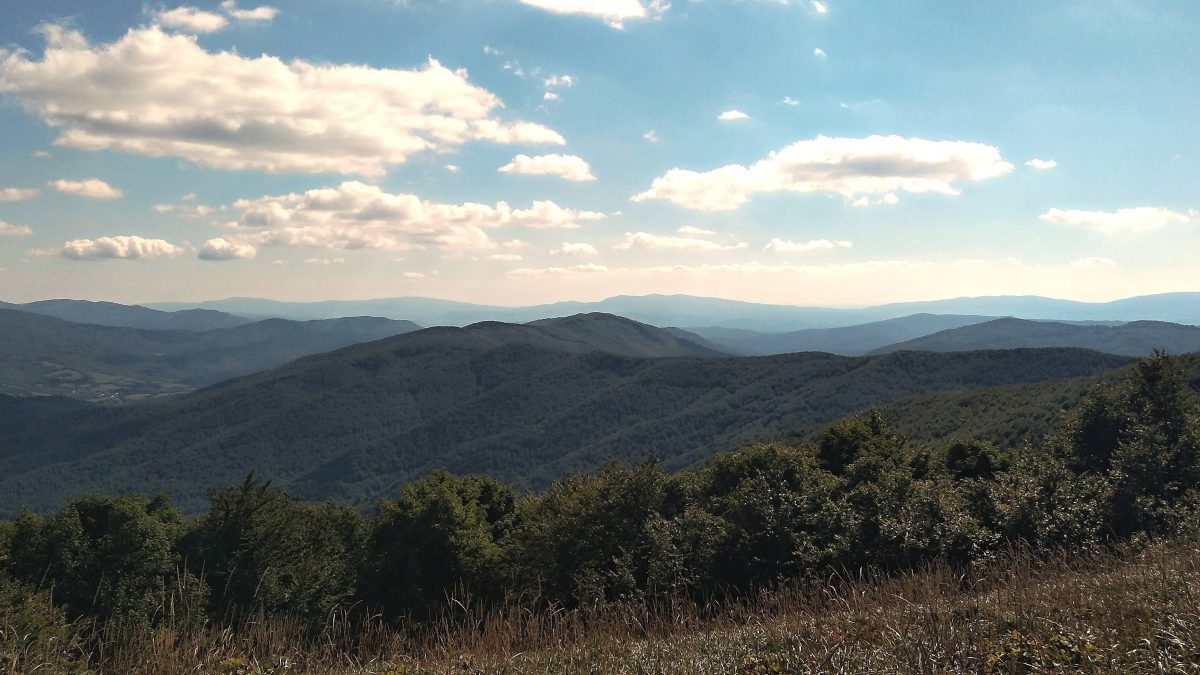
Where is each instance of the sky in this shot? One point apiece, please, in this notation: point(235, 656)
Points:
point(824, 153)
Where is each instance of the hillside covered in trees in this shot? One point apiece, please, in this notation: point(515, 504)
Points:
point(42, 355)
point(1123, 465)
point(524, 403)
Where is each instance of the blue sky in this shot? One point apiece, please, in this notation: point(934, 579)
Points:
point(520, 151)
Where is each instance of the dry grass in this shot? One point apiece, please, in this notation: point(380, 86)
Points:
point(1138, 612)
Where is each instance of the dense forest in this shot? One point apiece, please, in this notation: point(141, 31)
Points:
point(1122, 466)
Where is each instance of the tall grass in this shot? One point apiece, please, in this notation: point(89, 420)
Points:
point(1132, 611)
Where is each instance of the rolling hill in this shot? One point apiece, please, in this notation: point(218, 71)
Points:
point(42, 355)
point(1137, 338)
point(525, 403)
point(846, 340)
point(685, 310)
point(129, 316)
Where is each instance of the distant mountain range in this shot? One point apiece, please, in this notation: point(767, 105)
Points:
point(525, 403)
point(846, 340)
point(130, 316)
point(1137, 338)
point(695, 312)
point(44, 355)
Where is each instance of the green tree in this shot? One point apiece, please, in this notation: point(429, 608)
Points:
point(440, 535)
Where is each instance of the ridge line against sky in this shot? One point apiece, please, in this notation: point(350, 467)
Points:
point(528, 151)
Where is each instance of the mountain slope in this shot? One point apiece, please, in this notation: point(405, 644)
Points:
point(524, 403)
point(847, 340)
point(1138, 338)
point(130, 316)
point(43, 355)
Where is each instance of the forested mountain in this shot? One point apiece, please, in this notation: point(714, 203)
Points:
point(130, 316)
point(43, 355)
point(523, 403)
point(1137, 338)
point(845, 340)
point(685, 310)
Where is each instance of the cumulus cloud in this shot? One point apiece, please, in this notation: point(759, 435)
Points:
point(1139, 220)
point(732, 116)
point(18, 194)
point(355, 215)
point(569, 249)
point(851, 167)
point(119, 248)
point(260, 14)
point(567, 167)
point(93, 188)
point(223, 249)
point(1041, 164)
point(10, 230)
point(163, 95)
point(612, 12)
point(786, 246)
point(656, 242)
point(191, 19)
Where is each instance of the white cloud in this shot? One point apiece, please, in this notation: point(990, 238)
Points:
point(189, 197)
point(549, 96)
point(569, 249)
point(157, 94)
point(505, 257)
point(119, 248)
point(788, 100)
point(40, 154)
point(612, 12)
point(191, 19)
point(326, 262)
point(10, 230)
point(185, 210)
point(1041, 164)
point(414, 275)
point(1093, 263)
point(888, 198)
point(1139, 220)
point(18, 194)
point(651, 136)
point(514, 243)
point(851, 167)
point(656, 242)
point(93, 188)
point(453, 168)
point(355, 215)
point(567, 167)
point(260, 14)
point(589, 268)
point(820, 7)
point(819, 53)
point(695, 231)
point(732, 116)
point(555, 81)
point(223, 249)
point(786, 246)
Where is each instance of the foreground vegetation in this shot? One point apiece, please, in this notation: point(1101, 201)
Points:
point(859, 552)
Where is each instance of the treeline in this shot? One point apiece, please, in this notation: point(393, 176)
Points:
point(1122, 465)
